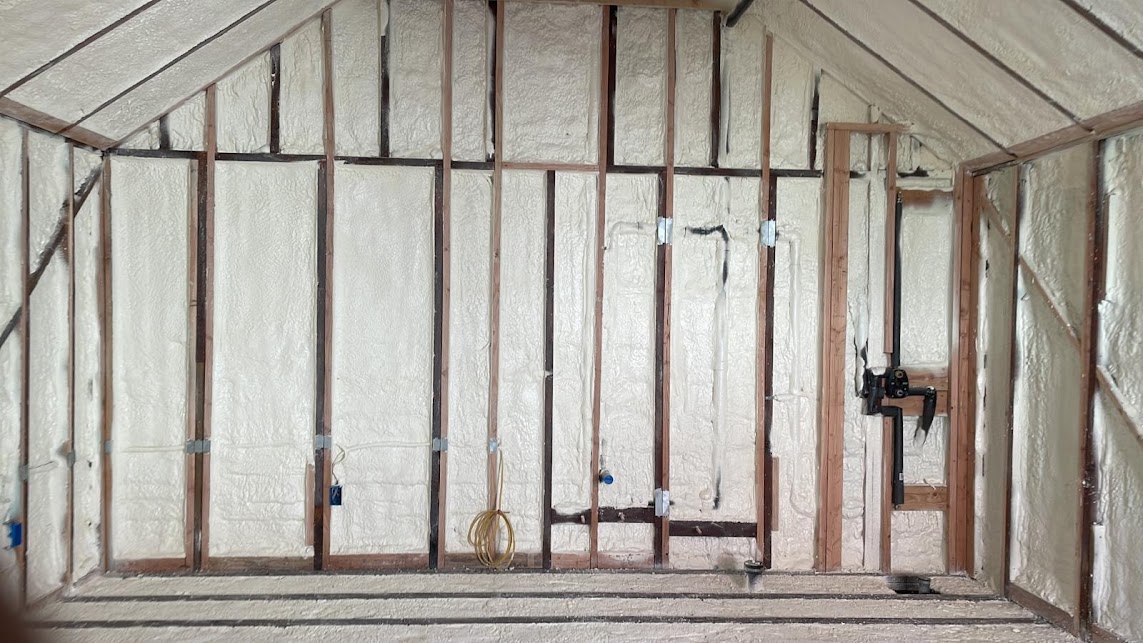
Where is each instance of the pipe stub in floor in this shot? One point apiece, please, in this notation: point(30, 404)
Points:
point(910, 584)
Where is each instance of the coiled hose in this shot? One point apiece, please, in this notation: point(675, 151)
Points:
point(485, 527)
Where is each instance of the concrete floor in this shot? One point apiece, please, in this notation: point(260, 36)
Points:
point(604, 606)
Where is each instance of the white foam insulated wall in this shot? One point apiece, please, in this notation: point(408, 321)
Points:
point(797, 352)
point(11, 381)
point(150, 201)
point(469, 336)
point(627, 389)
point(994, 368)
point(356, 71)
point(264, 358)
point(414, 31)
point(382, 358)
point(551, 82)
point(520, 415)
point(640, 86)
point(472, 25)
point(1046, 433)
point(300, 105)
point(573, 339)
point(714, 290)
point(48, 389)
point(1118, 443)
point(88, 391)
point(244, 108)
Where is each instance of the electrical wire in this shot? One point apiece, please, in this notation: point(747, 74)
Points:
point(485, 527)
point(336, 461)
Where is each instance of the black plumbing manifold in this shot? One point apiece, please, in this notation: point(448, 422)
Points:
point(879, 392)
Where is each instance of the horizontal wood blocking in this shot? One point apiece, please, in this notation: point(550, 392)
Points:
point(922, 497)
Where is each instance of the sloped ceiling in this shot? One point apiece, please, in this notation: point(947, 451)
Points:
point(974, 77)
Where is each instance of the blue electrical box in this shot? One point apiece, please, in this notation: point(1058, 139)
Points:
point(335, 495)
point(15, 534)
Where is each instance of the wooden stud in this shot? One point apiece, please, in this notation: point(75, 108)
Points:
point(204, 327)
point(383, 85)
point(834, 288)
point(1037, 285)
point(494, 301)
point(437, 503)
point(190, 460)
point(962, 408)
point(1013, 357)
point(69, 254)
point(762, 324)
point(549, 361)
point(716, 89)
point(25, 346)
point(276, 98)
point(106, 362)
point(1087, 494)
point(323, 462)
point(920, 497)
point(885, 548)
point(548, 167)
point(597, 337)
point(664, 263)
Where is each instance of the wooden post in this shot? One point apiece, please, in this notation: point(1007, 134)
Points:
point(494, 304)
point(549, 361)
point(1013, 356)
point(438, 485)
point(959, 522)
point(600, 236)
point(323, 465)
point(25, 346)
point(1095, 277)
point(204, 327)
point(834, 288)
point(762, 336)
point(69, 254)
point(106, 362)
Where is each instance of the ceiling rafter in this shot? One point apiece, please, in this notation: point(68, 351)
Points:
point(909, 79)
point(84, 43)
point(1027, 84)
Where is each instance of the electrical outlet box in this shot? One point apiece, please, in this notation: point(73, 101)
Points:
point(335, 495)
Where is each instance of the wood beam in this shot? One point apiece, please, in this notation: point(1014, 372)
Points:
point(600, 237)
point(25, 347)
point(763, 325)
point(438, 484)
point(697, 5)
point(922, 497)
point(69, 254)
point(1095, 277)
point(961, 397)
point(493, 434)
point(832, 400)
point(52, 125)
point(106, 362)
point(1013, 362)
point(204, 327)
point(663, 282)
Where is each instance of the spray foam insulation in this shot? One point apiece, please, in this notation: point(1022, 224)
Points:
point(797, 323)
point(743, 58)
point(551, 83)
point(150, 199)
point(356, 71)
point(521, 368)
point(1117, 592)
point(837, 104)
point(573, 356)
point(382, 358)
point(185, 123)
point(469, 336)
point(200, 67)
point(47, 370)
point(855, 424)
point(415, 78)
point(640, 86)
point(693, 46)
point(792, 93)
point(1053, 230)
point(994, 375)
point(1045, 453)
point(300, 106)
point(627, 411)
point(1119, 312)
point(145, 139)
point(115, 61)
point(926, 280)
point(263, 379)
point(88, 381)
point(11, 382)
point(471, 90)
point(244, 108)
point(1119, 456)
point(713, 320)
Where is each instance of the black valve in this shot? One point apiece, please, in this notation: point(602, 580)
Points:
point(893, 384)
